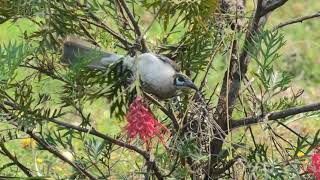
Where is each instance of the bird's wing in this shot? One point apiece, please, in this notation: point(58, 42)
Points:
point(75, 50)
point(169, 61)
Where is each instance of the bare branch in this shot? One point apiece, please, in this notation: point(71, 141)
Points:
point(135, 26)
point(87, 33)
point(275, 115)
point(44, 70)
point(91, 131)
point(237, 70)
point(150, 25)
point(253, 28)
point(209, 66)
point(99, 23)
point(14, 159)
point(227, 166)
point(297, 20)
point(44, 143)
point(96, 133)
point(271, 6)
point(228, 93)
point(110, 31)
point(58, 154)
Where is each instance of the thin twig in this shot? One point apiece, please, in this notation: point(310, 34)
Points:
point(14, 159)
point(296, 20)
point(110, 31)
point(213, 55)
point(230, 88)
point(135, 26)
point(99, 23)
point(91, 131)
point(150, 25)
point(228, 165)
point(275, 115)
point(56, 153)
point(293, 131)
point(44, 143)
point(167, 112)
point(44, 71)
point(173, 167)
point(96, 133)
point(92, 40)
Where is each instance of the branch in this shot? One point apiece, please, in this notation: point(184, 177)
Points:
point(87, 33)
point(96, 133)
point(209, 66)
point(44, 143)
point(99, 23)
point(227, 166)
point(275, 115)
point(102, 25)
point(271, 6)
point(14, 159)
point(56, 153)
point(135, 26)
point(150, 25)
point(297, 20)
point(91, 131)
point(252, 31)
point(237, 69)
point(44, 70)
point(167, 112)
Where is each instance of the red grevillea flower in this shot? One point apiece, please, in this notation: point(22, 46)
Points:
point(314, 168)
point(141, 122)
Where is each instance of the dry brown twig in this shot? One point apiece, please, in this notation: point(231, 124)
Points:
point(237, 69)
point(43, 143)
point(96, 133)
point(135, 25)
point(275, 115)
point(296, 20)
point(14, 159)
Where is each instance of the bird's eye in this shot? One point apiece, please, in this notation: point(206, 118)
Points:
point(179, 81)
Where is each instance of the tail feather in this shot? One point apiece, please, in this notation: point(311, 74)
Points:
point(74, 49)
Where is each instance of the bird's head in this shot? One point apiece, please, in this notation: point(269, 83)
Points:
point(182, 81)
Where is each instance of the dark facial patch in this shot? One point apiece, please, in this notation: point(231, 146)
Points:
point(181, 78)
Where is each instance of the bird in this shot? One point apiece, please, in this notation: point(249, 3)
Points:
point(158, 74)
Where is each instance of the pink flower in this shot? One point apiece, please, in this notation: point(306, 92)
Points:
point(314, 168)
point(141, 122)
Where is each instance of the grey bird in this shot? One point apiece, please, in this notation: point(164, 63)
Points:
point(158, 74)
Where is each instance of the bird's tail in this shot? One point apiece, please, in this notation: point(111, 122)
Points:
point(75, 50)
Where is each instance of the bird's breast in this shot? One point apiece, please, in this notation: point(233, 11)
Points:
point(157, 77)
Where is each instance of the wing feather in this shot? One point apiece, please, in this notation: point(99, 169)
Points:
point(169, 61)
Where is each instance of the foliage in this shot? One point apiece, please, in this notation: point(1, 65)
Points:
point(12, 55)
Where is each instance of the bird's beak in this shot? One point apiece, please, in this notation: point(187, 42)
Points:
point(190, 84)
